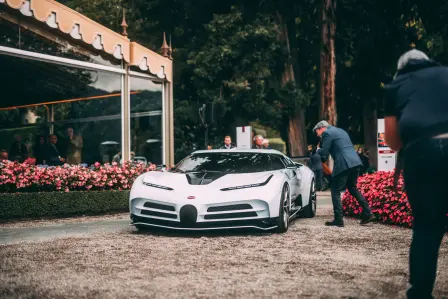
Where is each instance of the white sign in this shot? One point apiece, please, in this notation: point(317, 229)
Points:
point(244, 137)
point(386, 156)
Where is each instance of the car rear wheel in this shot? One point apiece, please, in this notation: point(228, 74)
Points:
point(283, 217)
point(311, 208)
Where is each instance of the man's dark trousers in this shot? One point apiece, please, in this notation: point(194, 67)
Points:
point(349, 178)
point(319, 174)
point(425, 179)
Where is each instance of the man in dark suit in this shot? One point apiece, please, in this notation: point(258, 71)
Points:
point(347, 164)
point(53, 155)
point(227, 143)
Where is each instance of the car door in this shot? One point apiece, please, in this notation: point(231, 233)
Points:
point(295, 178)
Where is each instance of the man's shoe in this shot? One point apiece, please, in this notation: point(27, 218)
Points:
point(335, 223)
point(368, 219)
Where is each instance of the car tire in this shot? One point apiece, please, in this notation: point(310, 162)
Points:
point(284, 209)
point(311, 208)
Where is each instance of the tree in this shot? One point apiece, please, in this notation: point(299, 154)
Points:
point(296, 131)
point(327, 86)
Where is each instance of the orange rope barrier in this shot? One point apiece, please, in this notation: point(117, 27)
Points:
point(66, 101)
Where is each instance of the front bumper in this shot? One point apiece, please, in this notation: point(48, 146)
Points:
point(195, 214)
point(260, 224)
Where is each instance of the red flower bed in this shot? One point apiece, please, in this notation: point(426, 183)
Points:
point(16, 177)
point(386, 205)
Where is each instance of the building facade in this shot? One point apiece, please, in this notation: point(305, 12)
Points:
point(95, 91)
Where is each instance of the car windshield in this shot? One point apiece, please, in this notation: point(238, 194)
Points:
point(226, 162)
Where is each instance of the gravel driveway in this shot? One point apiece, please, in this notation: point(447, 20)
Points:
point(309, 261)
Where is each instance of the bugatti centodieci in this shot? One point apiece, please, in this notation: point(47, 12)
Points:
point(224, 189)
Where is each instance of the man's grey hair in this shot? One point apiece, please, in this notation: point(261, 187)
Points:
point(410, 55)
point(321, 124)
point(258, 136)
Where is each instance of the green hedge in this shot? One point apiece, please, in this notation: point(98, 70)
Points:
point(61, 204)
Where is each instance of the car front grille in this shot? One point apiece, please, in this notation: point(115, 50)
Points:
point(230, 215)
point(243, 206)
point(157, 206)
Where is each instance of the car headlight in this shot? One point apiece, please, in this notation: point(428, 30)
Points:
point(249, 185)
point(157, 186)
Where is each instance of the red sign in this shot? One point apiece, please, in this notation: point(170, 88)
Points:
point(386, 152)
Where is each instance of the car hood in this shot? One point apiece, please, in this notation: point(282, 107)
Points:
point(210, 179)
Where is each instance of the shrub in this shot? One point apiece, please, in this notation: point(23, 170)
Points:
point(17, 177)
point(47, 204)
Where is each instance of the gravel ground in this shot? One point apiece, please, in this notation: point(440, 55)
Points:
point(309, 261)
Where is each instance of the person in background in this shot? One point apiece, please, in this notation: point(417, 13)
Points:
point(416, 125)
point(266, 143)
point(347, 164)
point(209, 147)
point(227, 143)
point(258, 142)
point(18, 151)
point(74, 147)
point(316, 167)
point(3, 155)
point(39, 149)
point(117, 158)
point(364, 159)
point(53, 154)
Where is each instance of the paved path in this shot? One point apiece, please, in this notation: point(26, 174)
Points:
point(12, 235)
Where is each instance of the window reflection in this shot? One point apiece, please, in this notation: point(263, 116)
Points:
point(146, 120)
point(227, 162)
point(82, 109)
point(19, 32)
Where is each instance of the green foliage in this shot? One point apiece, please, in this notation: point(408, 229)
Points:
point(57, 204)
point(238, 56)
point(230, 51)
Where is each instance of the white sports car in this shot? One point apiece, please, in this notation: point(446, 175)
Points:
point(222, 189)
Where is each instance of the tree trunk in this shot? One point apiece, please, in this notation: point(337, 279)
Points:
point(327, 107)
point(297, 141)
point(297, 134)
point(370, 130)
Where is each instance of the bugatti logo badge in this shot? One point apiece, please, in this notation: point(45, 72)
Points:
point(191, 197)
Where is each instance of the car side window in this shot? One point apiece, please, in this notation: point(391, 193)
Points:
point(291, 162)
point(276, 163)
point(287, 162)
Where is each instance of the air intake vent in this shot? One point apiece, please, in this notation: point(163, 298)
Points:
point(243, 206)
point(158, 214)
point(153, 205)
point(230, 215)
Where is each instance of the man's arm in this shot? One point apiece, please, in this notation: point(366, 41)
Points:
point(324, 151)
point(77, 141)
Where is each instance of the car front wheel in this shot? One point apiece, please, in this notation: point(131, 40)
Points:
point(311, 208)
point(283, 217)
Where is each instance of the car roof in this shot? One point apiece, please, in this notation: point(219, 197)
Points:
point(237, 150)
